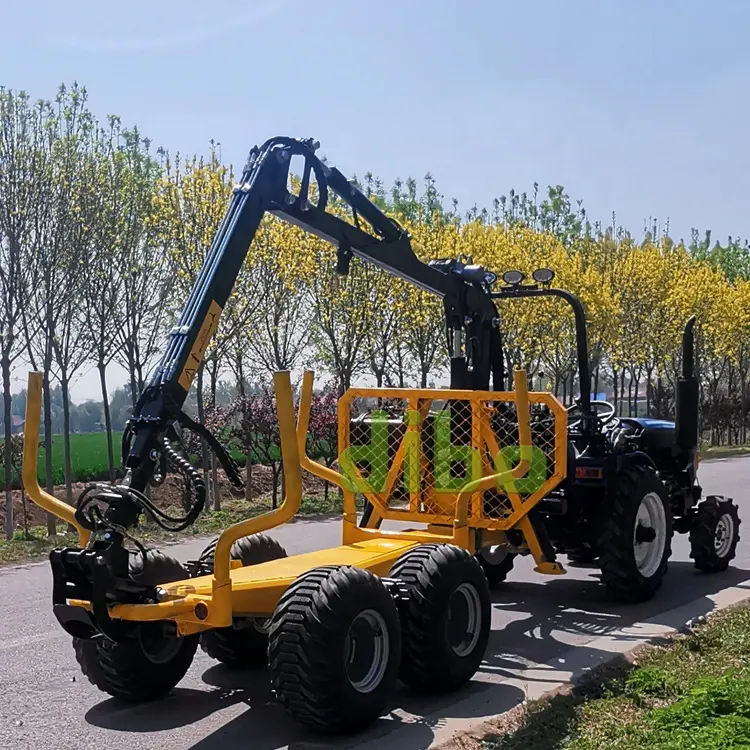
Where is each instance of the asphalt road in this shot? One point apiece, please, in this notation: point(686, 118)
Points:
point(46, 703)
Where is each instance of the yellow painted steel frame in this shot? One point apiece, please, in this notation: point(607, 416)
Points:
point(29, 467)
point(197, 604)
point(460, 532)
point(468, 501)
point(206, 602)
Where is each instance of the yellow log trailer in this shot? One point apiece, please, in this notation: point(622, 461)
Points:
point(453, 484)
point(337, 626)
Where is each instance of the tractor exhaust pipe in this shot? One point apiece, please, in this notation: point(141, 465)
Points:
point(688, 363)
point(686, 394)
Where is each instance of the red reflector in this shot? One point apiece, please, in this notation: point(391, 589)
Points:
point(589, 472)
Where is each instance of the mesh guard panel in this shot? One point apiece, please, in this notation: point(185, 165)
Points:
point(411, 451)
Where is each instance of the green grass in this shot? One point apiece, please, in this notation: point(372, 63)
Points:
point(692, 693)
point(38, 544)
point(724, 451)
point(88, 457)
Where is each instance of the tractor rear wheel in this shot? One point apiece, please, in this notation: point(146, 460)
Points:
point(714, 534)
point(246, 646)
point(635, 542)
point(335, 648)
point(446, 619)
point(155, 660)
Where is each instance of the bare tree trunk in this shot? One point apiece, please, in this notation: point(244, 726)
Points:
point(248, 477)
point(275, 476)
point(630, 396)
point(240, 375)
point(7, 449)
point(649, 377)
point(107, 419)
point(614, 392)
point(637, 388)
point(743, 409)
point(133, 386)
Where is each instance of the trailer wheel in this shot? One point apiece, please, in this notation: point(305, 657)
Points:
point(714, 534)
point(155, 660)
point(247, 646)
point(446, 619)
point(496, 565)
point(636, 539)
point(334, 648)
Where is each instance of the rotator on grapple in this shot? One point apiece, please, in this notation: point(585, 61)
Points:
point(539, 480)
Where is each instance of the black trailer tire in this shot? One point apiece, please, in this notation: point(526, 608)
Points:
point(496, 572)
point(153, 663)
point(714, 534)
point(313, 645)
point(632, 572)
point(157, 568)
point(247, 646)
point(446, 618)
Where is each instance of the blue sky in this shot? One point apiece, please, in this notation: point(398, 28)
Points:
point(638, 107)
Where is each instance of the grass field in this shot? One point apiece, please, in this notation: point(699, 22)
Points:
point(88, 456)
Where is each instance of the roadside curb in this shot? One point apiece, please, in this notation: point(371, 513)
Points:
point(547, 680)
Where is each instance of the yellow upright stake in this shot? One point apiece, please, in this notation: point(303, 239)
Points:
point(30, 453)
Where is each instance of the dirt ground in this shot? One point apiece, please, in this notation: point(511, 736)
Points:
point(168, 494)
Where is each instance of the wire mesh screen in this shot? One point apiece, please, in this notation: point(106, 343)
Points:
point(412, 452)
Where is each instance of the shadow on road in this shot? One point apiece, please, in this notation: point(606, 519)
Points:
point(552, 617)
point(544, 622)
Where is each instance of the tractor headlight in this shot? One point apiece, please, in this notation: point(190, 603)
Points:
point(513, 278)
point(543, 275)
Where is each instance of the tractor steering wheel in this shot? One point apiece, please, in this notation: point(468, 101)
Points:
point(604, 411)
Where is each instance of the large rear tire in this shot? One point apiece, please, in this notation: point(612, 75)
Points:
point(245, 646)
point(155, 660)
point(335, 648)
point(636, 538)
point(446, 619)
point(714, 534)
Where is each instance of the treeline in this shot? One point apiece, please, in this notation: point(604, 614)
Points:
point(102, 237)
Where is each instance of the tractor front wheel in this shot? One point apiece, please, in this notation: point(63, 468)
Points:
point(150, 664)
point(635, 542)
point(714, 534)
